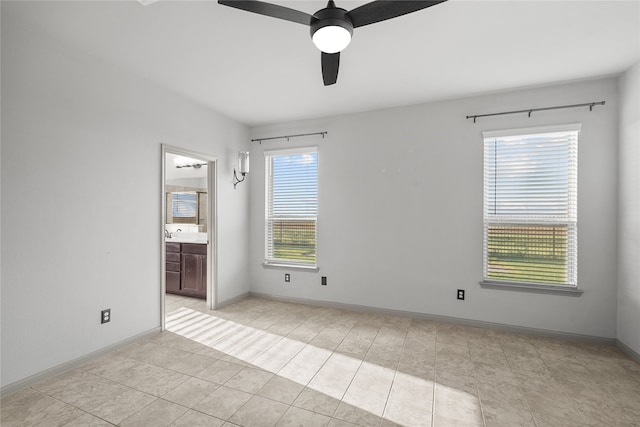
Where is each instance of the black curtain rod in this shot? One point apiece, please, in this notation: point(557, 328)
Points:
point(531, 110)
point(289, 136)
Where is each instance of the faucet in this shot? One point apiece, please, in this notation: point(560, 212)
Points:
point(167, 234)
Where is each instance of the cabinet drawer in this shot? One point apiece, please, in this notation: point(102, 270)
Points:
point(192, 248)
point(173, 257)
point(173, 247)
point(173, 266)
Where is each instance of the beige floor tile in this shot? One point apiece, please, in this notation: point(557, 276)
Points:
point(448, 380)
point(170, 339)
point(191, 392)
point(304, 333)
point(223, 403)
point(31, 408)
point(410, 401)
point(156, 354)
point(336, 374)
point(598, 413)
point(259, 412)
point(281, 389)
point(88, 420)
point(111, 366)
point(326, 341)
point(249, 380)
point(191, 364)
point(369, 388)
point(511, 418)
point(355, 346)
point(193, 418)
point(297, 417)
point(210, 353)
point(80, 389)
point(219, 372)
point(254, 346)
point(417, 370)
point(159, 413)
point(356, 415)
point(453, 406)
point(335, 422)
point(317, 402)
point(384, 355)
point(276, 357)
point(305, 365)
point(495, 374)
point(154, 379)
point(122, 406)
point(488, 356)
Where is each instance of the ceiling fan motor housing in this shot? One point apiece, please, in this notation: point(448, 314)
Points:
point(331, 17)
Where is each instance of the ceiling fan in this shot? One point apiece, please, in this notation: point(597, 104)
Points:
point(332, 27)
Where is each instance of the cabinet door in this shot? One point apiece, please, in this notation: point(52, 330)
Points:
point(194, 275)
point(173, 281)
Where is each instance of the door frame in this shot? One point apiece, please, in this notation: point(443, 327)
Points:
point(212, 225)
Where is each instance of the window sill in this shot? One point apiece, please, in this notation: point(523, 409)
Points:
point(531, 287)
point(290, 266)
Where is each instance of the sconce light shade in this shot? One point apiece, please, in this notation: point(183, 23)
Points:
point(243, 168)
point(243, 162)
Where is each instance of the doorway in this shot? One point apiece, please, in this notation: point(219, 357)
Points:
point(189, 233)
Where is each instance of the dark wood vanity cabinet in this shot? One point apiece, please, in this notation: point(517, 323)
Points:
point(194, 270)
point(186, 269)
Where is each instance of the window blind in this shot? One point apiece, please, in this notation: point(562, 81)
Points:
point(530, 206)
point(184, 205)
point(291, 206)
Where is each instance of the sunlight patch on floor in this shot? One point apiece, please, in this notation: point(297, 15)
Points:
point(396, 396)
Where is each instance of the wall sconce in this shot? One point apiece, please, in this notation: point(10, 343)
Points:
point(243, 168)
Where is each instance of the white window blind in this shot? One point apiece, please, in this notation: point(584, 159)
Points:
point(291, 207)
point(184, 205)
point(530, 206)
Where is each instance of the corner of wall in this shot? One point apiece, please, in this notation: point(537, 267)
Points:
point(628, 285)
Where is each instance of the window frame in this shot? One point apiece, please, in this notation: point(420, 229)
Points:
point(571, 220)
point(283, 262)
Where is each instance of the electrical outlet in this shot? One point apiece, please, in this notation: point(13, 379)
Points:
point(324, 281)
point(105, 316)
point(287, 277)
point(461, 294)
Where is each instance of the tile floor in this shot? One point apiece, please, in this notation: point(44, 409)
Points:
point(267, 363)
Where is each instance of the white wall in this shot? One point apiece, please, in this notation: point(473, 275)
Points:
point(81, 202)
point(400, 210)
point(629, 210)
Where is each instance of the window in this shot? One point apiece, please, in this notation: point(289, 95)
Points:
point(291, 207)
point(185, 206)
point(530, 206)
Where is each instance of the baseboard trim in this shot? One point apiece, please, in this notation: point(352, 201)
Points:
point(628, 351)
point(232, 300)
point(444, 319)
point(63, 367)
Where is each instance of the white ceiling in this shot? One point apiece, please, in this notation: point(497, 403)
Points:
point(258, 70)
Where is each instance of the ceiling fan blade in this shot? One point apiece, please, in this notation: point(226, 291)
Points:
point(269, 9)
point(382, 10)
point(330, 65)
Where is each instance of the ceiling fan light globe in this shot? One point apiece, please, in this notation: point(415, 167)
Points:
point(332, 38)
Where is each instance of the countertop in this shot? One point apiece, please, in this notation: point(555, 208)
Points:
point(196, 238)
point(179, 240)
